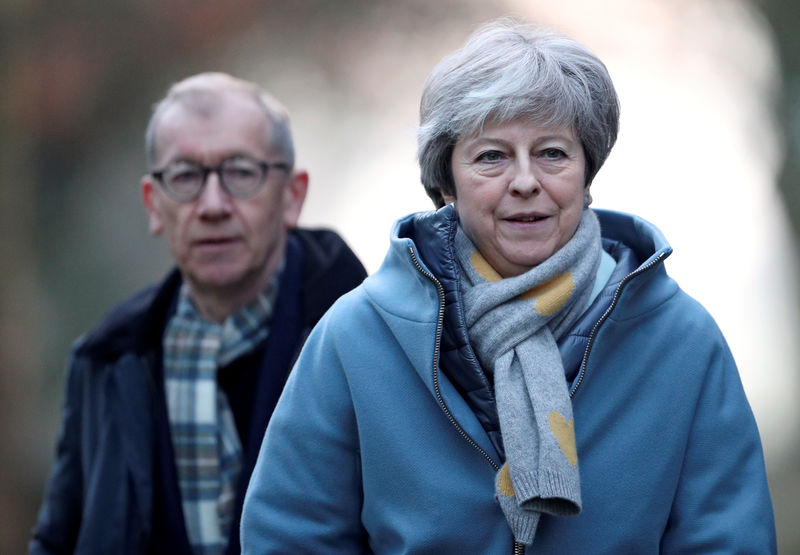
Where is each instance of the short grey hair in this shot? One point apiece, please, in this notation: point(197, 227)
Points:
point(506, 71)
point(203, 94)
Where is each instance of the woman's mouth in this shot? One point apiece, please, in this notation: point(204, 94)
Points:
point(526, 218)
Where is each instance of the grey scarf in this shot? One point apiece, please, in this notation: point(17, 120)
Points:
point(513, 326)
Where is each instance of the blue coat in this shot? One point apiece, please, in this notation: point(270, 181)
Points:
point(380, 444)
point(113, 488)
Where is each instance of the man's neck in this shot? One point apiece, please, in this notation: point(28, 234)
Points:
point(217, 304)
point(217, 308)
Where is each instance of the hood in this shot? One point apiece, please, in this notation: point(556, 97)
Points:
point(421, 248)
point(628, 238)
point(643, 248)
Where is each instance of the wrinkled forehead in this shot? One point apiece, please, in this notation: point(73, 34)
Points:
point(226, 121)
point(209, 104)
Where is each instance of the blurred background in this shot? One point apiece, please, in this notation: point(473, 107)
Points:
point(709, 151)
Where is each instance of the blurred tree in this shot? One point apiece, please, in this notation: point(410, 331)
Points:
point(784, 17)
point(74, 72)
point(65, 66)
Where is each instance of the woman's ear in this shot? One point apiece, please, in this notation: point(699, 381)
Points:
point(587, 196)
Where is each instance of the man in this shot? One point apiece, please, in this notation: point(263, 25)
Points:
point(168, 398)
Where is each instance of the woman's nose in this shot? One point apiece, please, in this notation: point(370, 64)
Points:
point(524, 182)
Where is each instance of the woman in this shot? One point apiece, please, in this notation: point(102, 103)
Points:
point(521, 371)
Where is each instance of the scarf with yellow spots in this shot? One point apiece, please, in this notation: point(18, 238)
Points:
point(513, 326)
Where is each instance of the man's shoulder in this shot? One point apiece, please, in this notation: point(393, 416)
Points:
point(135, 322)
point(323, 246)
point(330, 269)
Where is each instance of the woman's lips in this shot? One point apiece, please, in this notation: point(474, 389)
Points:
point(526, 218)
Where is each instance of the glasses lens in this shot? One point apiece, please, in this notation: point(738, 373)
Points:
point(183, 180)
point(242, 177)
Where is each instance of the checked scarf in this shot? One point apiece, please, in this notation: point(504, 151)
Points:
point(208, 451)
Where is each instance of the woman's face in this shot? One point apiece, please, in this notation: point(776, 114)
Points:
point(519, 192)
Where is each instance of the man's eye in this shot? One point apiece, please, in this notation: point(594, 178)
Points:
point(240, 172)
point(183, 176)
point(240, 168)
point(490, 156)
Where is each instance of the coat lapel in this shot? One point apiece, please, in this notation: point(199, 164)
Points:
point(130, 402)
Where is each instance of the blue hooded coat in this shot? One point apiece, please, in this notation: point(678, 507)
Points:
point(385, 438)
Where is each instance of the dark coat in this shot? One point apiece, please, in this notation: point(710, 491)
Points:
point(113, 487)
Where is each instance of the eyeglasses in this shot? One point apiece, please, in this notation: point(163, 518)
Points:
point(240, 176)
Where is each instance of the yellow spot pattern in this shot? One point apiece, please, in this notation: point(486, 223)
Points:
point(504, 482)
point(565, 434)
point(483, 268)
point(551, 295)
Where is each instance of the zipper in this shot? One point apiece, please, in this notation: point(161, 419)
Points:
point(436, 349)
point(605, 316)
point(519, 548)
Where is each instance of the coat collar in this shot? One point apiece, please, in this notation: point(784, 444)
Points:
point(418, 283)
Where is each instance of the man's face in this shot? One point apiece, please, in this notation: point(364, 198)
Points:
point(223, 244)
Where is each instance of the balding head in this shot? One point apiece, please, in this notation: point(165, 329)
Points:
point(204, 94)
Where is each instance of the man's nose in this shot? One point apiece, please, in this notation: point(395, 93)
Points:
point(214, 201)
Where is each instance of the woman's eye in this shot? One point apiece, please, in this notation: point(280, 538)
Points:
point(490, 156)
point(553, 153)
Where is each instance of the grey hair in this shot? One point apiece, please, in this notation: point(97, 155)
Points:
point(507, 71)
point(202, 94)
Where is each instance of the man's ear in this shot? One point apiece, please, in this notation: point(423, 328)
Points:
point(448, 199)
point(293, 197)
point(151, 200)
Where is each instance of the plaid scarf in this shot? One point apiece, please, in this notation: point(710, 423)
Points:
point(208, 452)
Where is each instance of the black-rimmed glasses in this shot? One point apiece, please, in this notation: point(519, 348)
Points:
point(240, 176)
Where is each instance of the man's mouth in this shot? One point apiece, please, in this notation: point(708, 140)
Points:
point(214, 241)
